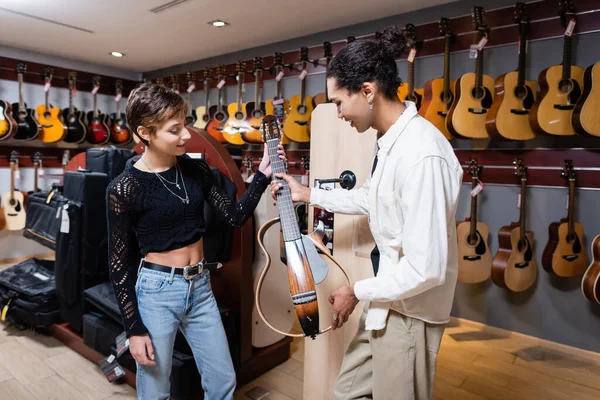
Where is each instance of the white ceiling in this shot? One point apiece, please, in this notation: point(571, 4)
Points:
point(179, 34)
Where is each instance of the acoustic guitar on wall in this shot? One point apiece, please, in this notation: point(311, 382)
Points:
point(255, 110)
point(279, 106)
point(191, 116)
point(28, 127)
point(514, 266)
point(560, 85)
point(77, 129)
point(49, 117)
point(237, 123)
point(513, 98)
point(564, 254)
point(119, 133)
point(590, 284)
point(13, 201)
point(473, 91)
point(202, 112)
point(297, 125)
point(586, 118)
point(409, 92)
point(218, 113)
point(474, 256)
point(321, 98)
point(98, 122)
point(8, 125)
point(439, 93)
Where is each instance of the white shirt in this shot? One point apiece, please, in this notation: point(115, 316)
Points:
point(411, 202)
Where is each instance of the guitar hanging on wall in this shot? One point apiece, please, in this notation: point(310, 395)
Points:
point(120, 133)
point(98, 122)
point(13, 201)
point(305, 266)
point(77, 129)
point(49, 117)
point(28, 127)
point(590, 284)
point(218, 113)
point(586, 119)
point(278, 106)
point(564, 254)
point(255, 110)
point(297, 125)
point(202, 112)
point(321, 98)
point(237, 123)
point(410, 93)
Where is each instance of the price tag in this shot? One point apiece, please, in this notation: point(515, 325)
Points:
point(95, 89)
point(74, 90)
point(279, 76)
point(303, 74)
point(221, 84)
point(64, 222)
point(191, 88)
point(47, 86)
point(412, 54)
point(482, 42)
point(570, 27)
point(473, 51)
point(118, 97)
point(40, 170)
point(277, 102)
point(18, 174)
point(519, 201)
point(477, 189)
point(243, 88)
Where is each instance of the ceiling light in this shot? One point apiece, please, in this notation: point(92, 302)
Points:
point(218, 23)
point(116, 54)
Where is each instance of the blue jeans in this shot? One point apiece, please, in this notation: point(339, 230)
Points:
point(167, 302)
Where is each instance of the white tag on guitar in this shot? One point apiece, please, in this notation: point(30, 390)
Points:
point(65, 222)
point(18, 174)
point(191, 88)
point(412, 54)
point(477, 189)
point(243, 88)
point(303, 74)
point(277, 102)
point(279, 76)
point(47, 86)
point(221, 84)
point(473, 51)
point(570, 27)
point(482, 43)
point(118, 97)
point(95, 89)
point(519, 201)
point(40, 170)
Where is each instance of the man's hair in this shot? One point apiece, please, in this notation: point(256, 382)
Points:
point(151, 105)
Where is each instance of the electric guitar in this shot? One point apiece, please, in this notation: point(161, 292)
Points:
point(564, 254)
point(322, 98)
point(278, 106)
point(50, 118)
point(410, 93)
point(98, 124)
point(514, 266)
point(474, 256)
point(473, 91)
point(255, 110)
point(120, 133)
point(560, 86)
point(202, 111)
point(77, 129)
point(8, 125)
point(27, 126)
point(513, 98)
point(590, 284)
point(237, 124)
point(305, 266)
point(297, 124)
point(439, 93)
point(13, 201)
point(218, 114)
point(586, 119)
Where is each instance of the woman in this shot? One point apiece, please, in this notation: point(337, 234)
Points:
point(155, 208)
point(410, 198)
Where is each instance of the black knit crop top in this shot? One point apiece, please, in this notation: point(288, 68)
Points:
point(144, 216)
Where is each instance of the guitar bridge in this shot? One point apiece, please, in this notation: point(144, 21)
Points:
point(519, 112)
point(472, 258)
point(301, 123)
point(564, 107)
point(522, 264)
point(477, 110)
point(571, 257)
point(442, 114)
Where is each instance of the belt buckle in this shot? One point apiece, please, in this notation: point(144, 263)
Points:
point(186, 271)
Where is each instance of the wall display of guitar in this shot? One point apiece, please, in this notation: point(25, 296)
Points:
point(590, 284)
point(514, 266)
point(8, 125)
point(560, 85)
point(13, 201)
point(27, 126)
point(305, 267)
point(474, 255)
point(473, 91)
point(278, 106)
point(119, 133)
point(255, 110)
point(218, 113)
point(297, 123)
point(439, 93)
point(513, 98)
point(202, 112)
point(75, 121)
point(409, 92)
point(586, 118)
point(321, 98)
point(191, 116)
point(98, 122)
point(50, 118)
point(564, 254)
point(237, 123)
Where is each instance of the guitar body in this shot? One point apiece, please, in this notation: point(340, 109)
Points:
point(203, 118)
point(27, 126)
point(8, 125)
point(14, 210)
point(319, 98)
point(255, 117)
point(77, 129)
point(509, 116)
point(52, 128)
point(191, 118)
point(236, 125)
point(215, 125)
point(99, 132)
point(2, 219)
point(433, 109)
point(553, 110)
point(586, 119)
point(417, 97)
point(590, 284)
point(474, 260)
point(564, 257)
point(272, 109)
point(514, 266)
point(119, 133)
point(297, 123)
point(466, 118)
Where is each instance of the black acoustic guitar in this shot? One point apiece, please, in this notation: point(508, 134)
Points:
point(77, 129)
point(28, 127)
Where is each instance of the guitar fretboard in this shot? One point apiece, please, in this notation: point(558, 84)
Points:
point(522, 52)
point(446, 94)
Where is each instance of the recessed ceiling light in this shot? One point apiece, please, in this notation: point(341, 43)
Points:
point(218, 23)
point(116, 54)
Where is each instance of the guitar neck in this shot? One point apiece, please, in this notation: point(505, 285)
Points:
point(411, 79)
point(35, 177)
point(571, 212)
point(206, 93)
point(446, 68)
point(189, 103)
point(47, 102)
point(71, 108)
point(13, 167)
point(278, 91)
point(473, 220)
point(479, 69)
point(326, 92)
point(95, 106)
point(289, 225)
point(522, 213)
point(239, 92)
point(566, 73)
point(21, 102)
point(257, 90)
point(522, 52)
point(303, 88)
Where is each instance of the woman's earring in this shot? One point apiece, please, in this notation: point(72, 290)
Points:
point(370, 105)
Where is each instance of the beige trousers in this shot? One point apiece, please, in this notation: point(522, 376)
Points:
point(397, 362)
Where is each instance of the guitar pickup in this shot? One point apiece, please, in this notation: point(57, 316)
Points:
point(301, 123)
point(442, 114)
point(472, 258)
point(522, 265)
point(564, 107)
point(477, 110)
point(571, 257)
point(519, 112)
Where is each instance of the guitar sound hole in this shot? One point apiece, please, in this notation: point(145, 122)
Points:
point(472, 240)
point(522, 245)
point(220, 117)
point(239, 115)
point(446, 97)
point(12, 202)
point(47, 115)
point(565, 85)
point(477, 92)
point(520, 92)
point(257, 114)
point(205, 118)
point(71, 119)
point(302, 110)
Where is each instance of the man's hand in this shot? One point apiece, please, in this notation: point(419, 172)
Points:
point(299, 192)
point(140, 347)
point(344, 301)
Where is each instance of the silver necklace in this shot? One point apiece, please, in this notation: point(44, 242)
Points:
point(162, 180)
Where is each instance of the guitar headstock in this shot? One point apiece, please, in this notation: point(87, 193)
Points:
point(304, 54)
point(21, 68)
point(327, 50)
point(410, 35)
point(248, 164)
point(568, 171)
point(270, 128)
point(205, 75)
point(119, 87)
point(239, 67)
point(566, 11)
point(72, 76)
point(160, 81)
point(36, 158)
point(14, 157)
point(174, 82)
point(258, 65)
point(278, 60)
point(520, 169)
point(480, 22)
point(473, 168)
point(306, 163)
point(445, 29)
point(520, 14)
point(48, 71)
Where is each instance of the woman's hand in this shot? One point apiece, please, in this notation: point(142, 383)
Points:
point(265, 164)
point(140, 347)
point(299, 192)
